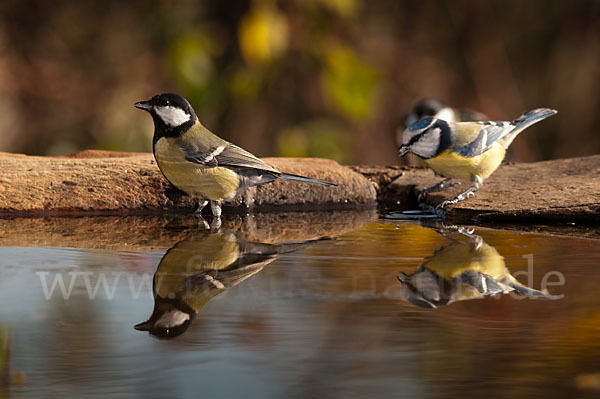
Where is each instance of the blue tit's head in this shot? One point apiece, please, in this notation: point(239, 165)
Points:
point(172, 114)
point(426, 289)
point(426, 138)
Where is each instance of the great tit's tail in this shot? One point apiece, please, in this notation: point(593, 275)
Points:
point(527, 119)
point(302, 179)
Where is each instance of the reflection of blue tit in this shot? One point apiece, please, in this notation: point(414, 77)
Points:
point(198, 268)
point(465, 150)
point(198, 162)
point(462, 271)
point(436, 109)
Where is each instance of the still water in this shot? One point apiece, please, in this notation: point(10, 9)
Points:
point(294, 305)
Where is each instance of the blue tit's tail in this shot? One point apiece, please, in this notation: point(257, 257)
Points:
point(524, 121)
point(302, 179)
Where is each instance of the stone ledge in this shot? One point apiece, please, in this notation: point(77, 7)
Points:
point(557, 191)
point(103, 183)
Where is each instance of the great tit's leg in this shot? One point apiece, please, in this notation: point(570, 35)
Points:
point(477, 183)
point(200, 206)
point(215, 206)
point(198, 213)
point(437, 187)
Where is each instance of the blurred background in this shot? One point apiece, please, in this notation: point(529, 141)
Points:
point(330, 78)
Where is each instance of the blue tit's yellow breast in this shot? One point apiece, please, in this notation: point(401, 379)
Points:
point(211, 183)
point(455, 260)
point(451, 164)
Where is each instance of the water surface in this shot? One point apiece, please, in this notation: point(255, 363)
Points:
point(312, 309)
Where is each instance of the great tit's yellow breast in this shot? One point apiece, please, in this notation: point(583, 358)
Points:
point(451, 164)
point(212, 183)
point(455, 260)
point(191, 257)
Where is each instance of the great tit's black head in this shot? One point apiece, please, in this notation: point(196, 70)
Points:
point(172, 114)
point(423, 109)
point(170, 318)
point(426, 138)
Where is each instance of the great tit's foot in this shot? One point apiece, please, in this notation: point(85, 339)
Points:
point(203, 223)
point(215, 206)
point(201, 204)
point(215, 226)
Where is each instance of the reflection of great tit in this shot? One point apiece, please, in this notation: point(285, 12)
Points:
point(465, 150)
point(436, 109)
point(462, 271)
point(200, 267)
point(199, 163)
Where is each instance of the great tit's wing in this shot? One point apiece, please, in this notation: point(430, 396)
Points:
point(227, 154)
point(489, 133)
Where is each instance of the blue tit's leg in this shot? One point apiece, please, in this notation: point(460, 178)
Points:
point(477, 183)
point(200, 206)
point(437, 187)
point(215, 206)
point(447, 228)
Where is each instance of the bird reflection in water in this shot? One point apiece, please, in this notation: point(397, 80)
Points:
point(462, 271)
point(200, 267)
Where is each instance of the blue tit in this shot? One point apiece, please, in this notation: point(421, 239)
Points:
point(200, 163)
point(462, 271)
point(464, 150)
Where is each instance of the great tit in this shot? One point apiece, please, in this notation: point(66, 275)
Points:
point(464, 150)
point(462, 271)
point(198, 162)
point(200, 267)
point(436, 109)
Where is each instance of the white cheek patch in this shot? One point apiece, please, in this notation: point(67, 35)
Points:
point(427, 146)
point(172, 116)
point(172, 319)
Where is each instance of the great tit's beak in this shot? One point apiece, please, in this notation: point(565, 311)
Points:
point(145, 326)
point(402, 150)
point(145, 105)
